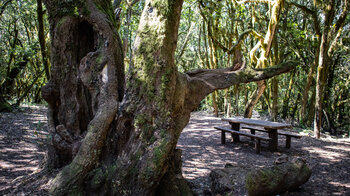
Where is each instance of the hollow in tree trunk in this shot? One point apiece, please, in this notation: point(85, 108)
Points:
point(112, 141)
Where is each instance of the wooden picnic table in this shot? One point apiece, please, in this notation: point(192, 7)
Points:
point(270, 127)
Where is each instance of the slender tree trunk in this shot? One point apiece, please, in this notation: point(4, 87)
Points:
point(41, 36)
point(274, 83)
point(27, 91)
point(310, 78)
point(311, 105)
point(295, 107)
point(285, 107)
point(254, 99)
point(265, 46)
point(274, 91)
point(214, 64)
point(236, 92)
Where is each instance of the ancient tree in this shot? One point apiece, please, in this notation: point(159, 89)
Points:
point(117, 135)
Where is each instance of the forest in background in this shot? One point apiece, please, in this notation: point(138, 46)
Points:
point(315, 33)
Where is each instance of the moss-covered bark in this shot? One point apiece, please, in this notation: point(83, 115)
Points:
point(277, 179)
point(265, 45)
point(110, 143)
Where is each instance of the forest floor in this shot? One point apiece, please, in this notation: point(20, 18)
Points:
point(329, 158)
point(23, 134)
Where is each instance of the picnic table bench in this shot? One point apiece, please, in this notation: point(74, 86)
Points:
point(253, 136)
point(287, 134)
point(257, 125)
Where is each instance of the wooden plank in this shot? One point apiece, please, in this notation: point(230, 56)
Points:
point(257, 138)
point(262, 123)
point(241, 133)
point(290, 134)
point(279, 132)
point(254, 128)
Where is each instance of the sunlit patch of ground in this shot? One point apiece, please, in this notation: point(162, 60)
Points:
point(328, 158)
point(22, 133)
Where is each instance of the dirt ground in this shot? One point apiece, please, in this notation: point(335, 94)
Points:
point(22, 137)
point(22, 134)
point(328, 158)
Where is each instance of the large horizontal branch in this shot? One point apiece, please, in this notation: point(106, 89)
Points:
point(223, 78)
point(204, 81)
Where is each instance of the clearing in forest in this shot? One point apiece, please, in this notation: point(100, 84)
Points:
point(22, 134)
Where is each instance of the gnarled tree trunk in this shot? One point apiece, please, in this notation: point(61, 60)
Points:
point(112, 142)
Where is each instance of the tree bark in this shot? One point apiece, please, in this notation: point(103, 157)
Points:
point(310, 79)
point(108, 142)
point(285, 107)
point(41, 36)
point(265, 45)
point(254, 99)
point(274, 91)
point(326, 50)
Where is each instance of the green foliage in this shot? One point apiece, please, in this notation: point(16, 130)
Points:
point(5, 107)
point(296, 39)
point(19, 42)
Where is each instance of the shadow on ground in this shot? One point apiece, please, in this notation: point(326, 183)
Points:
point(22, 136)
point(23, 133)
point(328, 158)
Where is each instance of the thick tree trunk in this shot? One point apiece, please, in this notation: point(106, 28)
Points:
point(322, 68)
point(327, 47)
point(86, 83)
point(106, 143)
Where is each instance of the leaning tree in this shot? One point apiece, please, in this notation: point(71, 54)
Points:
point(117, 135)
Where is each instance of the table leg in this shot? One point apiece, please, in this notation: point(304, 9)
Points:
point(223, 137)
point(274, 139)
point(235, 126)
